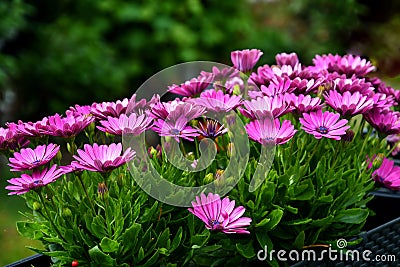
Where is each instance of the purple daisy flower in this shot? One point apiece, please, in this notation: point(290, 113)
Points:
point(101, 158)
point(324, 124)
point(263, 75)
point(80, 110)
point(264, 106)
point(211, 128)
point(384, 121)
point(388, 174)
point(304, 104)
point(177, 128)
point(133, 124)
point(382, 101)
point(348, 64)
point(348, 104)
point(114, 109)
point(193, 87)
point(287, 59)
point(220, 215)
point(10, 139)
point(37, 179)
point(353, 85)
point(68, 126)
point(216, 101)
point(245, 60)
point(28, 158)
point(142, 106)
point(277, 86)
point(32, 129)
point(267, 130)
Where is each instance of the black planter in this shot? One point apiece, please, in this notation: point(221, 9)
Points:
point(37, 260)
point(383, 240)
point(386, 206)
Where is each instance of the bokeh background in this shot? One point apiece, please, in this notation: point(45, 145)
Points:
point(54, 54)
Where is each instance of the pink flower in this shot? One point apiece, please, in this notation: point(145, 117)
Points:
point(193, 87)
point(267, 130)
point(287, 59)
point(68, 126)
point(384, 121)
point(211, 128)
point(80, 110)
point(263, 106)
point(277, 86)
point(216, 101)
point(353, 85)
point(141, 106)
point(245, 60)
point(347, 64)
point(32, 129)
point(304, 104)
point(113, 109)
point(324, 124)
point(348, 104)
point(28, 158)
point(37, 179)
point(133, 124)
point(220, 215)
point(10, 139)
point(101, 158)
point(388, 174)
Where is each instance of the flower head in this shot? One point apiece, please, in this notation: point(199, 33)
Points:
point(216, 101)
point(324, 124)
point(10, 138)
point(68, 126)
point(211, 128)
point(245, 60)
point(220, 215)
point(287, 59)
point(304, 104)
point(28, 158)
point(388, 174)
point(133, 124)
point(263, 106)
point(348, 104)
point(267, 130)
point(101, 158)
point(347, 64)
point(384, 121)
point(37, 179)
point(191, 88)
point(113, 109)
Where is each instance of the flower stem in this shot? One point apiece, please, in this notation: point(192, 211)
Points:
point(86, 193)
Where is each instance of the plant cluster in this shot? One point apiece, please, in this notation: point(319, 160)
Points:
point(311, 139)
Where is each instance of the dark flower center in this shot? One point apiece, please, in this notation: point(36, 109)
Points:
point(36, 162)
point(322, 129)
point(175, 132)
point(214, 224)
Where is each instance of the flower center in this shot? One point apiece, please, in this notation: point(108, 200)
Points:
point(214, 224)
point(322, 129)
point(36, 162)
point(175, 132)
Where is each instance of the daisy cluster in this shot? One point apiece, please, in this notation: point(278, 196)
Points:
point(323, 101)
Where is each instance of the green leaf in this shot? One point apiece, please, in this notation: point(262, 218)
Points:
point(263, 222)
point(352, 216)
point(108, 245)
point(299, 241)
point(130, 236)
point(246, 250)
point(304, 191)
point(163, 239)
point(140, 256)
point(299, 221)
point(102, 259)
point(177, 240)
point(275, 216)
point(208, 249)
point(200, 239)
point(30, 230)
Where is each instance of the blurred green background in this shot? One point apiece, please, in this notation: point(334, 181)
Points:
point(54, 54)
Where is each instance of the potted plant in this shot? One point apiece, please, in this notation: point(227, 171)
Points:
point(278, 158)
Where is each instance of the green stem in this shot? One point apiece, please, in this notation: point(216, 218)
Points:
point(86, 193)
point(49, 217)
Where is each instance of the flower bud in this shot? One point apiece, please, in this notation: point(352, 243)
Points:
point(152, 152)
point(58, 156)
point(209, 178)
point(230, 149)
point(120, 180)
point(190, 156)
point(67, 213)
point(349, 136)
point(102, 189)
point(378, 160)
point(36, 206)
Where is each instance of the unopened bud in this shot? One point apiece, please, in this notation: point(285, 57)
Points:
point(209, 178)
point(120, 179)
point(36, 206)
point(67, 213)
point(348, 136)
point(378, 160)
point(102, 189)
point(230, 150)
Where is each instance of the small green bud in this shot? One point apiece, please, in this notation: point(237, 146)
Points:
point(58, 156)
point(378, 160)
point(66, 213)
point(190, 156)
point(209, 178)
point(120, 180)
point(236, 89)
point(36, 206)
point(230, 150)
